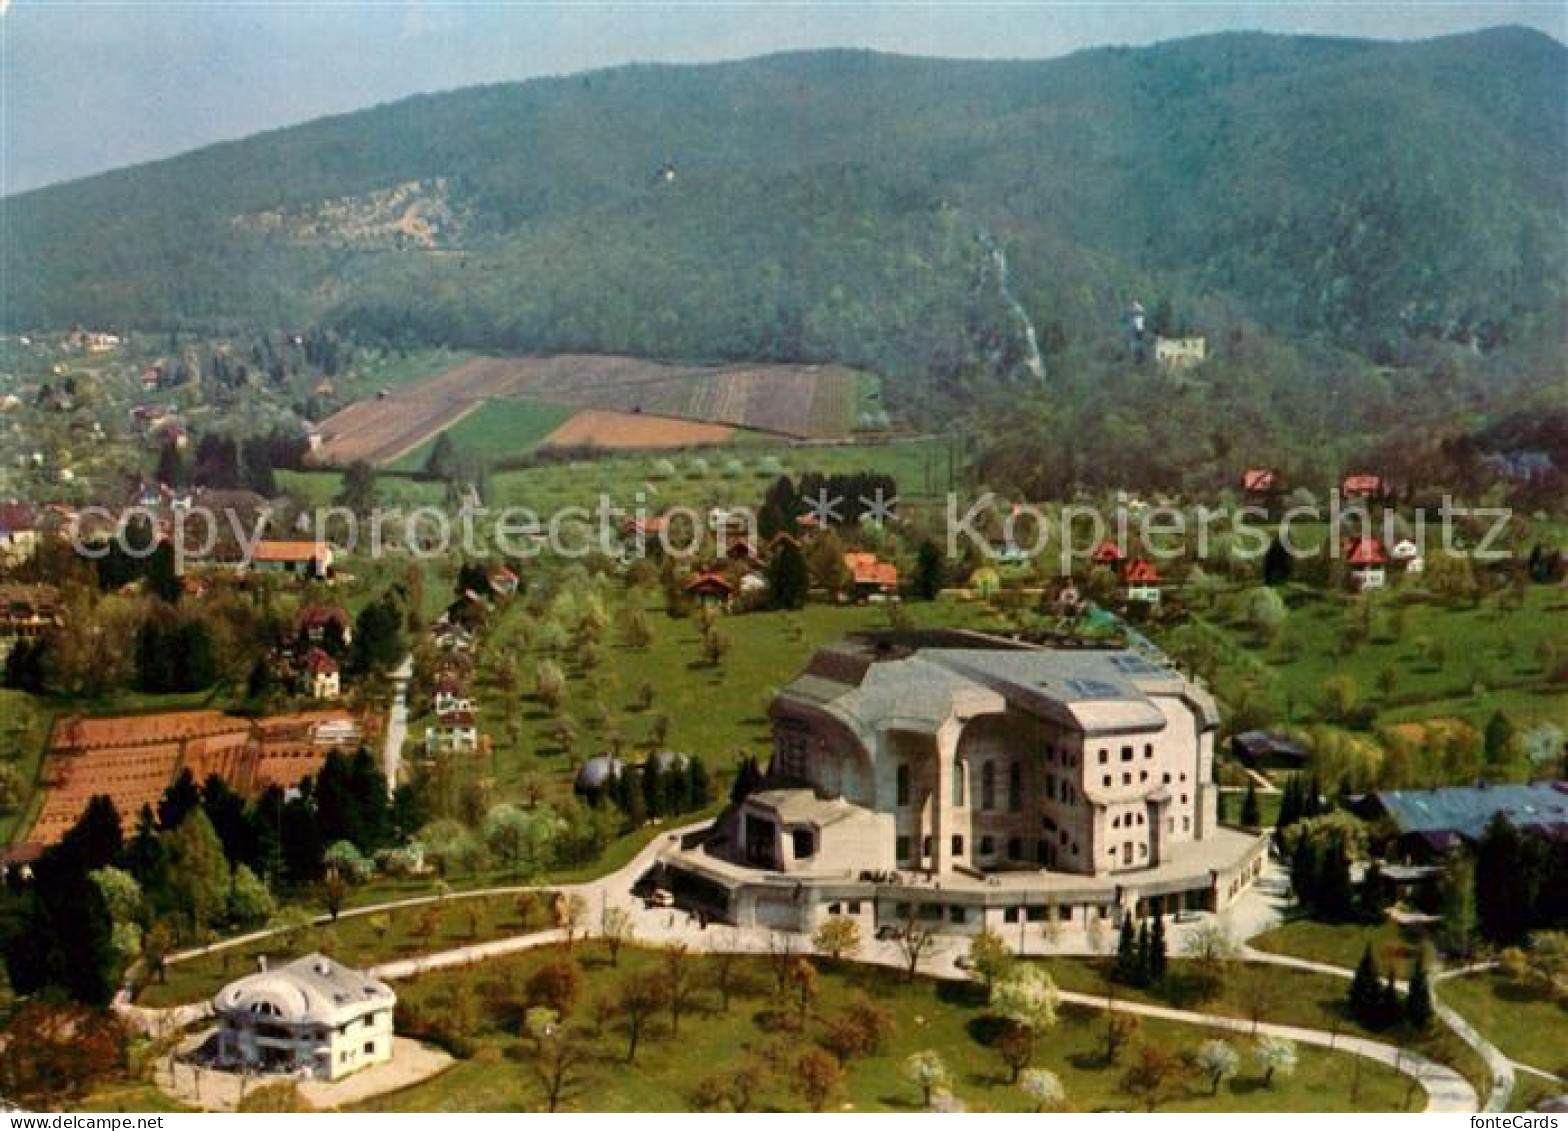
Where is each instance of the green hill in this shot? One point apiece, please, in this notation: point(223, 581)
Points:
point(845, 206)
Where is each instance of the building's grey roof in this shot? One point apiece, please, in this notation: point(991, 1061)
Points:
point(804, 807)
point(312, 990)
point(873, 684)
point(1466, 810)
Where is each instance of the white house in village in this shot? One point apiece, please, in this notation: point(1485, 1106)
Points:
point(314, 1018)
point(455, 732)
point(973, 781)
point(1180, 353)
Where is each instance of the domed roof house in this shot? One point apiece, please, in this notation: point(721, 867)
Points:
point(598, 773)
point(313, 1018)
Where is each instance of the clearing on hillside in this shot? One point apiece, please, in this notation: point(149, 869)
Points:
point(794, 401)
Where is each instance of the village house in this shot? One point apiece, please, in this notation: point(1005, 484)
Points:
point(1363, 486)
point(968, 781)
point(324, 624)
point(503, 581)
point(300, 559)
point(18, 534)
point(710, 587)
point(321, 673)
point(1260, 484)
point(451, 695)
point(29, 611)
point(1108, 553)
point(871, 578)
point(455, 732)
point(1407, 554)
point(1141, 582)
point(1368, 563)
point(1424, 825)
point(314, 1018)
point(1180, 353)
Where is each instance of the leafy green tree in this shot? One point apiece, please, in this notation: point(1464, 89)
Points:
point(358, 490)
point(199, 876)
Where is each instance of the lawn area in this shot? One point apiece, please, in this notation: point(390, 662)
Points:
point(502, 427)
point(757, 1029)
point(361, 940)
point(1340, 944)
point(717, 711)
point(316, 489)
point(24, 728)
point(1407, 657)
point(1517, 1019)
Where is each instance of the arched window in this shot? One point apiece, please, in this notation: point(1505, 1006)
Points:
point(1015, 787)
point(903, 784)
point(988, 786)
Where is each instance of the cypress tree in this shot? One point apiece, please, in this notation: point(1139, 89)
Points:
point(1418, 995)
point(1250, 817)
point(1388, 1003)
point(1366, 991)
point(1289, 805)
point(1141, 969)
point(1127, 952)
point(1159, 955)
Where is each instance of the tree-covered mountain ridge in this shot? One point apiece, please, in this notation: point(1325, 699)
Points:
point(851, 206)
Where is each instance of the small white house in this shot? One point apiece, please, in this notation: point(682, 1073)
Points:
point(455, 732)
point(312, 1018)
point(323, 673)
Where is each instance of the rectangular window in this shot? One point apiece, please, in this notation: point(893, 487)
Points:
point(370, 1047)
point(955, 915)
point(958, 845)
point(1015, 787)
point(1037, 914)
point(1126, 753)
point(987, 846)
point(1010, 915)
point(901, 849)
point(804, 843)
point(903, 783)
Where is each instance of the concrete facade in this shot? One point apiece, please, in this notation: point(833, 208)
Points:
point(311, 1018)
point(1005, 776)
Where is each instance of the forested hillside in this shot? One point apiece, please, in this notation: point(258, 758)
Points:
point(911, 216)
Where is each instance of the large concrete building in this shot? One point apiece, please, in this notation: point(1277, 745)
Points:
point(313, 1017)
point(979, 781)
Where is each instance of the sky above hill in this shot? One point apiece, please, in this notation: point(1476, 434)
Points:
point(88, 85)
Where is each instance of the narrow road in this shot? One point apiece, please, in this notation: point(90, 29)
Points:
point(1446, 1090)
point(1498, 1066)
point(397, 722)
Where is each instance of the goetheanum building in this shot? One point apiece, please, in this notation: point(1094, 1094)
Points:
point(312, 1017)
point(977, 781)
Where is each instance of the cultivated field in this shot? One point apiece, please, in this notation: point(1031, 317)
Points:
point(597, 428)
point(794, 401)
point(132, 759)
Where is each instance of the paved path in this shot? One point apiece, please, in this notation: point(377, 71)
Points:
point(1499, 1066)
point(1446, 1090)
point(397, 722)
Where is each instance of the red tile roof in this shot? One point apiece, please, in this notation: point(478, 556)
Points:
point(1365, 551)
point(868, 569)
point(1258, 479)
point(318, 662)
point(1141, 571)
point(1107, 551)
point(1362, 484)
point(290, 551)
